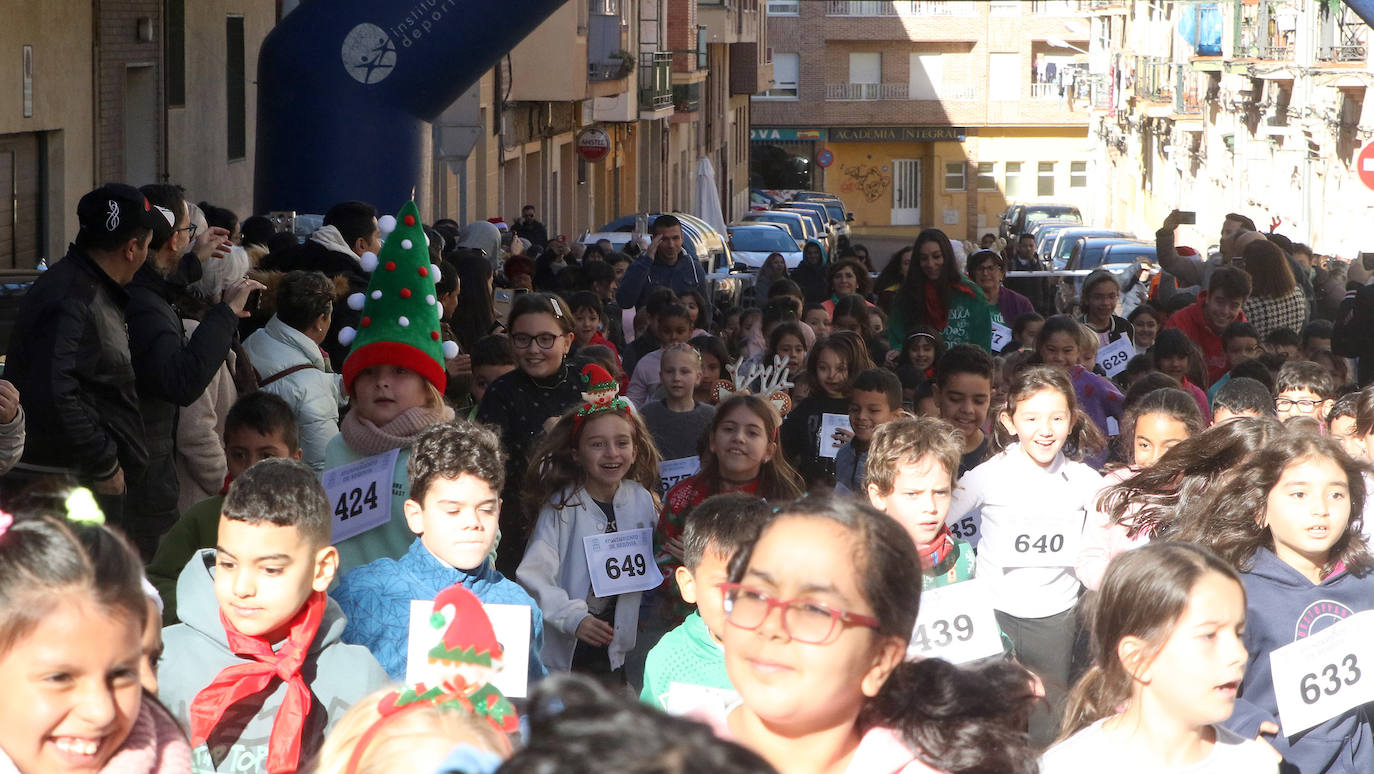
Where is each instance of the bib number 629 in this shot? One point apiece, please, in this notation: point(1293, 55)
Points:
point(630, 566)
point(1330, 680)
point(1040, 544)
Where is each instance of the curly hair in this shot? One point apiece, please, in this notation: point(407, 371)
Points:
point(282, 492)
point(451, 449)
point(554, 476)
point(1230, 518)
point(1149, 502)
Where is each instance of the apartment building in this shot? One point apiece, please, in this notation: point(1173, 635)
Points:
point(667, 81)
point(926, 112)
point(135, 90)
point(1251, 106)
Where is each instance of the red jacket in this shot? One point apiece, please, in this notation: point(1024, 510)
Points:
point(1193, 322)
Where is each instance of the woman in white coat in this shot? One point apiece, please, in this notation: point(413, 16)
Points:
point(287, 356)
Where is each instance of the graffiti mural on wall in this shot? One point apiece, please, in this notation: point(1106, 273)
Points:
point(870, 181)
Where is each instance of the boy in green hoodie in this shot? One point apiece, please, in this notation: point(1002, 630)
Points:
point(686, 669)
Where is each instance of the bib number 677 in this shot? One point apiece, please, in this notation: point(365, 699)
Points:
point(630, 566)
point(1330, 680)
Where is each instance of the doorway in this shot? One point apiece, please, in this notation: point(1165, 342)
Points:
point(906, 192)
point(140, 124)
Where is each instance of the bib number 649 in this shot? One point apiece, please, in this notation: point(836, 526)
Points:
point(1330, 681)
point(630, 566)
point(1039, 543)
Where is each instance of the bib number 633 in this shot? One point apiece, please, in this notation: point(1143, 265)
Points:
point(1330, 681)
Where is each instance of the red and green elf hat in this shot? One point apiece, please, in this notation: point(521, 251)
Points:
point(468, 636)
point(400, 311)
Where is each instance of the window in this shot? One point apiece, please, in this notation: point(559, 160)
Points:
point(954, 176)
point(987, 176)
point(1005, 77)
point(1005, 8)
point(1012, 182)
point(866, 67)
point(605, 7)
point(785, 68)
point(784, 7)
point(926, 75)
point(235, 77)
point(174, 52)
point(1044, 179)
point(1078, 174)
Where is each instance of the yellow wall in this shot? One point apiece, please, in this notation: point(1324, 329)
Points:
point(862, 176)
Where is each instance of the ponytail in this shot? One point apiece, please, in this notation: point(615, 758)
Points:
point(1094, 697)
point(963, 721)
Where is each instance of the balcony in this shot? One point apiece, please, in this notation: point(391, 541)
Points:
point(655, 84)
point(864, 92)
point(1059, 7)
point(1154, 80)
point(1187, 98)
point(1044, 91)
point(1342, 54)
point(606, 59)
point(1341, 37)
point(686, 99)
point(1265, 30)
point(871, 8)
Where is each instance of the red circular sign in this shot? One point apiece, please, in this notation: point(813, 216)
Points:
point(593, 144)
point(1364, 165)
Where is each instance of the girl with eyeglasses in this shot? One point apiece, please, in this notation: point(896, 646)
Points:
point(542, 386)
point(819, 610)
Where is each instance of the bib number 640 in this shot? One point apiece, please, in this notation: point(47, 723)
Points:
point(630, 566)
point(1330, 681)
point(1040, 544)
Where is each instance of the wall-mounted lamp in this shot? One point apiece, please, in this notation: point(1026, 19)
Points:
point(144, 27)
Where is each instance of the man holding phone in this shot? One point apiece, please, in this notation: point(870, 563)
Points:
point(665, 264)
point(1189, 270)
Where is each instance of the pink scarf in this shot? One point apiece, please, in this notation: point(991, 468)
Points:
point(367, 439)
point(155, 745)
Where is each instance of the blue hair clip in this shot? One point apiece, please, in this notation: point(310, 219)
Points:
point(466, 759)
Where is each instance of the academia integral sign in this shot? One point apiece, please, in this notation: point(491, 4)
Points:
point(896, 134)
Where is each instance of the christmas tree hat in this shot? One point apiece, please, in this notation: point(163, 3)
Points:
point(400, 311)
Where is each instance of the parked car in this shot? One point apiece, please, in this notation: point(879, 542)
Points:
point(1045, 232)
point(1067, 238)
point(752, 242)
point(818, 215)
point(1008, 217)
point(839, 216)
point(1031, 213)
point(799, 226)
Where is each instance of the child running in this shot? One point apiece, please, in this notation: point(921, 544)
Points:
point(1168, 656)
point(1030, 502)
point(73, 620)
point(1289, 519)
point(594, 473)
point(832, 363)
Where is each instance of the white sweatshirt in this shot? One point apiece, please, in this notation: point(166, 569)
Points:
point(1016, 504)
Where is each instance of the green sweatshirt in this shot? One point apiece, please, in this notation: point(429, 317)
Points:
point(197, 528)
point(686, 669)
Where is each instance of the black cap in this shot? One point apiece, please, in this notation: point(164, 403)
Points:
point(116, 209)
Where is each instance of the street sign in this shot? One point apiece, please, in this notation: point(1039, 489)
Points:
point(825, 158)
point(1364, 165)
point(593, 144)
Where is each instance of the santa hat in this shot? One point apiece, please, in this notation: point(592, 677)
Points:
point(468, 636)
point(400, 314)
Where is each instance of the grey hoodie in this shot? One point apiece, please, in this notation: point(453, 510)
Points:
point(196, 650)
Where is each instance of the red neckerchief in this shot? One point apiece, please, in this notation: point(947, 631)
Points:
point(937, 311)
point(937, 551)
point(240, 681)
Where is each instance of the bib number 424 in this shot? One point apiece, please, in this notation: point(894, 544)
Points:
point(352, 501)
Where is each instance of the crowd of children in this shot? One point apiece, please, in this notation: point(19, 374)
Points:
point(803, 551)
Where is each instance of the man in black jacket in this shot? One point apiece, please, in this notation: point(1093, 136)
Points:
point(69, 353)
point(172, 370)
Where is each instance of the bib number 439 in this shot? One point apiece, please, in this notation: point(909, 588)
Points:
point(945, 632)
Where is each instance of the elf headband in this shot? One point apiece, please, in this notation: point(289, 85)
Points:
point(601, 393)
point(392, 707)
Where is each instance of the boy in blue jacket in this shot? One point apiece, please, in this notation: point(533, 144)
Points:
point(456, 473)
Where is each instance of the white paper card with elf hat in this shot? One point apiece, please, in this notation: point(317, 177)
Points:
point(511, 624)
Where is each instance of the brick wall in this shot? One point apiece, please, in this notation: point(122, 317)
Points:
point(118, 46)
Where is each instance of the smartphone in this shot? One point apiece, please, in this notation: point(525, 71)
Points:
point(1187, 218)
point(251, 304)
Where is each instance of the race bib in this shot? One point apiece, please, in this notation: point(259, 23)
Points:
point(360, 493)
point(622, 562)
point(1001, 337)
point(1042, 541)
point(967, 528)
point(511, 624)
point(1114, 357)
point(670, 472)
point(829, 447)
point(956, 623)
point(1324, 675)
